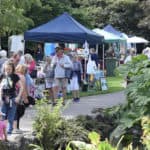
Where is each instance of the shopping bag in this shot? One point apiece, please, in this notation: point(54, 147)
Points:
point(91, 66)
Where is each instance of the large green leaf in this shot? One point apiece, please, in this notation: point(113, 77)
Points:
point(94, 138)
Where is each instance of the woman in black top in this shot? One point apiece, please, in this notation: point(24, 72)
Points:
point(8, 95)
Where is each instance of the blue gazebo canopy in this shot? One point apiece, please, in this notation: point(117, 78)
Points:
point(63, 28)
point(111, 29)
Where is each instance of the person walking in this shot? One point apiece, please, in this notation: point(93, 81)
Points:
point(77, 76)
point(61, 62)
point(49, 79)
point(20, 70)
point(8, 96)
point(39, 53)
point(3, 133)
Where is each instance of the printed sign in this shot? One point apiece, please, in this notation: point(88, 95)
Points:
point(104, 84)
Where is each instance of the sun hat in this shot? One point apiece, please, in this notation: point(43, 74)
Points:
point(3, 53)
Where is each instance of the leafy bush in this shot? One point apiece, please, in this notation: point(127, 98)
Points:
point(96, 144)
point(146, 131)
point(101, 123)
point(129, 115)
point(53, 131)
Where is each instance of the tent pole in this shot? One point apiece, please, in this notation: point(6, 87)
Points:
point(85, 69)
point(86, 53)
point(103, 57)
point(97, 48)
point(24, 47)
point(135, 49)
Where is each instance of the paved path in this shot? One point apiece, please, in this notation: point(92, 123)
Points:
point(87, 104)
point(84, 107)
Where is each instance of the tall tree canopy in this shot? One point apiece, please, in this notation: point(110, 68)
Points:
point(129, 16)
point(12, 18)
point(144, 22)
point(52, 8)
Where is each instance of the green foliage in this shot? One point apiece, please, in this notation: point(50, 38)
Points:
point(50, 9)
point(53, 131)
point(46, 124)
point(12, 16)
point(47, 11)
point(138, 101)
point(133, 68)
point(94, 138)
point(96, 144)
point(36, 147)
point(100, 123)
point(123, 14)
point(146, 131)
point(145, 21)
point(129, 16)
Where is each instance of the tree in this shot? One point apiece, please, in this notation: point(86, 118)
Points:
point(48, 10)
point(12, 16)
point(124, 14)
point(52, 8)
point(144, 23)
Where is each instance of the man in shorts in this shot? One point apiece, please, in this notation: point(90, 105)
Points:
point(61, 62)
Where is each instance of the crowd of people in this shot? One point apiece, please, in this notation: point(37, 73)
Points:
point(17, 86)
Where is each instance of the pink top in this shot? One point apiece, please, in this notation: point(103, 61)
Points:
point(31, 66)
point(24, 93)
point(2, 127)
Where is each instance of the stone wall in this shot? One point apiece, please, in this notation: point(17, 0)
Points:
point(18, 142)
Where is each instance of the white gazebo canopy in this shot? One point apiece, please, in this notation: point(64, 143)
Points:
point(136, 40)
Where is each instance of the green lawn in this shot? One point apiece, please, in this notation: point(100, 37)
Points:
point(115, 84)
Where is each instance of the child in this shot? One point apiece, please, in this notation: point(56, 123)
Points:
point(8, 94)
point(76, 78)
point(3, 134)
point(49, 79)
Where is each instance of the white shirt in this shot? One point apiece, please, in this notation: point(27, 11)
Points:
point(128, 59)
point(58, 62)
point(22, 60)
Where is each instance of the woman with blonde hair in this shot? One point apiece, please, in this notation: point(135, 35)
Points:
point(20, 70)
point(30, 62)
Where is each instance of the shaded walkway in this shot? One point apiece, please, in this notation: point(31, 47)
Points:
point(87, 104)
point(84, 107)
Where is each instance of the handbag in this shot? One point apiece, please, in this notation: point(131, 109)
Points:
point(31, 101)
point(68, 73)
point(20, 110)
point(33, 74)
point(50, 73)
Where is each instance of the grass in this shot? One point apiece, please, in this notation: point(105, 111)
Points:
point(115, 84)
